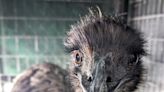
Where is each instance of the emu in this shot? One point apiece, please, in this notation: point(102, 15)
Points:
point(46, 77)
point(106, 55)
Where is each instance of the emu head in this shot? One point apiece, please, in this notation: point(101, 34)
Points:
point(106, 55)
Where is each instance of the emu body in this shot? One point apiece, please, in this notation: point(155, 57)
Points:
point(45, 77)
point(106, 55)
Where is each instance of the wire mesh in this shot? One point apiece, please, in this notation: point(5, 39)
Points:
point(32, 31)
point(148, 17)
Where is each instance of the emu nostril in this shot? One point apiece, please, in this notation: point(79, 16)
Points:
point(90, 79)
point(108, 79)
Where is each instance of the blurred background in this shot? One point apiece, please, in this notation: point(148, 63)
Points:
point(32, 32)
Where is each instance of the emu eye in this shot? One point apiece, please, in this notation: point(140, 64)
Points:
point(133, 59)
point(77, 57)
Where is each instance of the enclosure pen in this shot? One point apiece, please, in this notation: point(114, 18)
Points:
point(148, 17)
point(33, 31)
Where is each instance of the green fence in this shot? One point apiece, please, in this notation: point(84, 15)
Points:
point(32, 31)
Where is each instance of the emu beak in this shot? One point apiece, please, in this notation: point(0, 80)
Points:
point(102, 82)
point(99, 79)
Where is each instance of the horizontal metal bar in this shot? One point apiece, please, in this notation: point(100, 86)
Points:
point(147, 17)
point(155, 39)
point(34, 56)
point(38, 18)
point(6, 78)
point(76, 1)
point(31, 37)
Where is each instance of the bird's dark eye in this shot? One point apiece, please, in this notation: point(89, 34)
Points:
point(77, 57)
point(133, 59)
